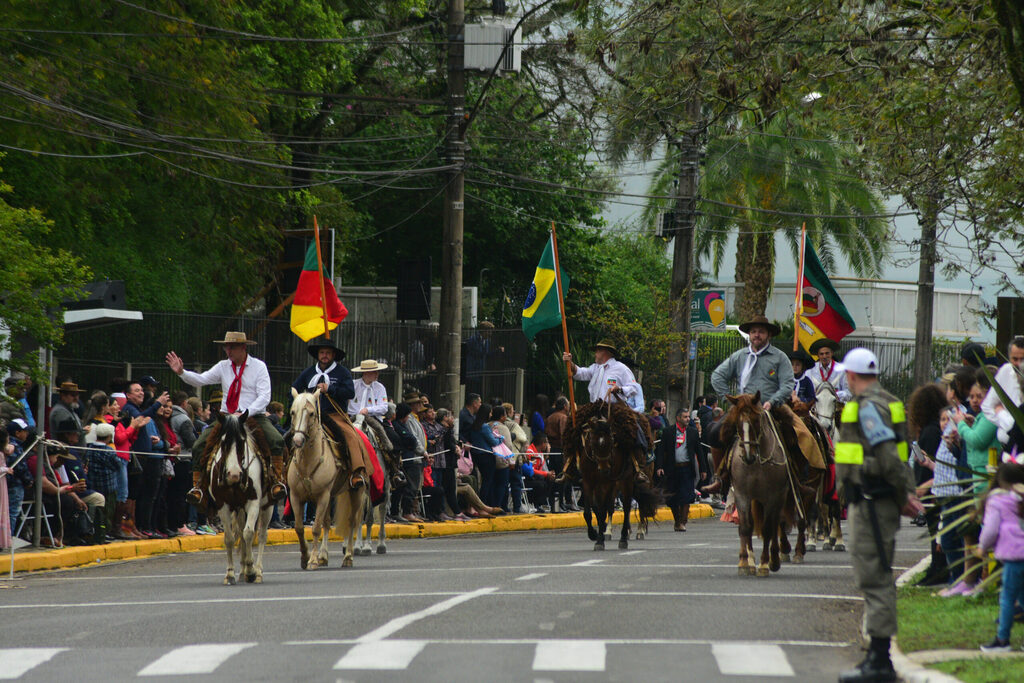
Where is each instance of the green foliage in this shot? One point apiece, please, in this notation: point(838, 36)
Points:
point(34, 280)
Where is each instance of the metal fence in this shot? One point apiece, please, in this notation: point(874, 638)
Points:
point(497, 363)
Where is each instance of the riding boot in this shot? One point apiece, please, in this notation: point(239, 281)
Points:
point(684, 515)
point(875, 668)
point(121, 529)
point(713, 487)
point(195, 494)
point(641, 475)
point(129, 521)
point(677, 523)
point(99, 526)
point(278, 491)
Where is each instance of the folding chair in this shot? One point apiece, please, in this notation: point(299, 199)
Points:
point(27, 515)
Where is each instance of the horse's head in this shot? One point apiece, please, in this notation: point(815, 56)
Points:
point(826, 405)
point(232, 445)
point(599, 441)
point(745, 423)
point(302, 412)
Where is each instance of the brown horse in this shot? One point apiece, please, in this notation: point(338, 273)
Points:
point(603, 440)
point(760, 482)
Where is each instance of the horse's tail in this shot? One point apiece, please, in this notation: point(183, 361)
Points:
point(648, 500)
point(757, 517)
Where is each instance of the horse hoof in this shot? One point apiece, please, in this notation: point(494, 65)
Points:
point(840, 547)
point(774, 565)
point(258, 579)
point(798, 559)
point(784, 557)
point(607, 535)
point(599, 546)
point(312, 565)
point(623, 545)
point(640, 536)
point(347, 562)
point(249, 578)
point(381, 550)
point(363, 552)
point(812, 548)
point(591, 534)
point(323, 561)
point(229, 581)
point(743, 571)
point(762, 572)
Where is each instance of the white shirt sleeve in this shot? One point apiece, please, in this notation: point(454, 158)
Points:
point(258, 405)
point(212, 376)
point(584, 374)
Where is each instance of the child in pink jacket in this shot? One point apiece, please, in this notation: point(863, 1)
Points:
point(1003, 530)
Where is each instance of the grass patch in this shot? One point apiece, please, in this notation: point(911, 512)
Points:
point(928, 622)
point(1000, 670)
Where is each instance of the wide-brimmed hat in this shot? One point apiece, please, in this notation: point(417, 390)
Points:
point(824, 343)
point(801, 356)
point(773, 329)
point(412, 397)
point(216, 396)
point(68, 388)
point(234, 338)
point(607, 346)
point(320, 343)
point(370, 365)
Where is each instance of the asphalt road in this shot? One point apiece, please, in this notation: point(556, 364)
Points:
point(533, 606)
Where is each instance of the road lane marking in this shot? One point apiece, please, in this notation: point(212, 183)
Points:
point(745, 659)
point(399, 623)
point(632, 552)
point(380, 655)
point(16, 661)
point(569, 655)
point(606, 641)
point(586, 563)
point(194, 659)
point(205, 601)
point(691, 594)
point(531, 577)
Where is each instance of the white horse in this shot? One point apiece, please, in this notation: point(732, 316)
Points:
point(236, 490)
point(375, 513)
point(826, 411)
point(314, 475)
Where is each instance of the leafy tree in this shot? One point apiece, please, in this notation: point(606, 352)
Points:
point(34, 280)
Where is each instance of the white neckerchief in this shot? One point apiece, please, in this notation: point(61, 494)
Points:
point(316, 376)
point(748, 367)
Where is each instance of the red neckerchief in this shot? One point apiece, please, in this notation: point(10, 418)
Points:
point(235, 390)
point(680, 435)
point(831, 367)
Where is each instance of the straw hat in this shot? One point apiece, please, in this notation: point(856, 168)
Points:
point(607, 346)
point(234, 338)
point(370, 365)
point(68, 388)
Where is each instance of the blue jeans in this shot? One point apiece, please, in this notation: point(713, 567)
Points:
point(121, 480)
point(16, 496)
point(1013, 591)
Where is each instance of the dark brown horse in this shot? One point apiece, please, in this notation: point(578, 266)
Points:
point(603, 440)
point(760, 482)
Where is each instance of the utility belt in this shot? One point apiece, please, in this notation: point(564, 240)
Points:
point(872, 488)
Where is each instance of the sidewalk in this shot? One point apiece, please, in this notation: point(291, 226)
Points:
point(64, 558)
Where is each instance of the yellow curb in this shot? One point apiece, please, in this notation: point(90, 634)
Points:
point(72, 557)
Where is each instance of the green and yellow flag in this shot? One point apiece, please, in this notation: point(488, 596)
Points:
point(541, 309)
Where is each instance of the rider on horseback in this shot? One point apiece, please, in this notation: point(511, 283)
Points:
point(761, 368)
point(336, 390)
point(371, 398)
point(828, 369)
point(245, 382)
point(610, 381)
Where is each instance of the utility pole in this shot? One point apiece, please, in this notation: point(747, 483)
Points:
point(926, 292)
point(454, 201)
point(688, 150)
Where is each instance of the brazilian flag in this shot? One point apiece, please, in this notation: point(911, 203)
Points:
point(540, 310)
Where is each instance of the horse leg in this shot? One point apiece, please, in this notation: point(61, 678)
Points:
point(348, 505)
point(318, 557)
point(601, 510)
point(770, 552)
point(300, 529)
point(251, 512)
point(587, 514)
point(746, 533)
point(229, 544)
point(382, 547)
point(784, 547)
point(261, 532)
point(837, 529)
point(801, 541)
point(627, 512)
point(365, 520)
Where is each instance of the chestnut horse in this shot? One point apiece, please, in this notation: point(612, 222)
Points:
point(760, 482)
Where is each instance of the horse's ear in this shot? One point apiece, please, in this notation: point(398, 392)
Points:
point(295, 393)
point(731, 399)
point(220, 416)
point(316, 394)
point(757, 397)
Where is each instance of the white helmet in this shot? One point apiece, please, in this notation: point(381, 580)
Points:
point(861, 361)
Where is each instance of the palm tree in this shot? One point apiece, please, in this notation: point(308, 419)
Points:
point(754, 167)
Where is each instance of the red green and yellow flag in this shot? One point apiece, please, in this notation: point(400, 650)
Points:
point(309, 309)
point(821, 312)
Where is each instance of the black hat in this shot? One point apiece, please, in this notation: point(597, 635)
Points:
point(773, 329)
point(323, 343)
point(824, 343)
point(801, 356)
point(149, 380)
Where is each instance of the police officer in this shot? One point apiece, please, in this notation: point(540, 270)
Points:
point(871, 463)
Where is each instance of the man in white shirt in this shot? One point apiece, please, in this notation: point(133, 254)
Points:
point(245, 382)
point(610, 381)
point(371, 397)
point(827, 369)
point(1009, 379)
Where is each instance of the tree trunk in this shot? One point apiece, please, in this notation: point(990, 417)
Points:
point(755, 267)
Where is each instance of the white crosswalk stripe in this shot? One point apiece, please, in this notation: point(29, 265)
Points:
point(751, 659)
point(194, 659)
point(569, 655)
point(16, 661)
point(392, 655)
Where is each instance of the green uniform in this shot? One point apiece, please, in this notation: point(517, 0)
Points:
point(871, 466)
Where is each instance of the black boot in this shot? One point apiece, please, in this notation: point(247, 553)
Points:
point(876, 667)
point(938, 570)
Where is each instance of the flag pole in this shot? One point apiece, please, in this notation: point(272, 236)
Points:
point(565, 330)
point(798, 308)
point(320, 273)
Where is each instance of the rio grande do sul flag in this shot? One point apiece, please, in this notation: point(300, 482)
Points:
point(821, 311)
point(307, 319)
point(541, 309)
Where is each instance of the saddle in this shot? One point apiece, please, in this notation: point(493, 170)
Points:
point(253, 429)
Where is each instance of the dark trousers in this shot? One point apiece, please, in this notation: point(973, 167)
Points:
point(515, 483)
point(151, 484)
point(542, 492)
point(499, 489)
point(177, 508)
point(449, 484)
point(433, 501)
point(484, 462)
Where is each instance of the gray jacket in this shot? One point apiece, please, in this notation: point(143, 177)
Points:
point(772, 375)
point(184, 429)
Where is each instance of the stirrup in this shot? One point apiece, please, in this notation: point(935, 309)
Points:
point(642, 477)
point(194, 496)
point(356, 481)
point(278, 491)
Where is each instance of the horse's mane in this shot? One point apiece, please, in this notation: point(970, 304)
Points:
point(801, 409)
point(622, 422)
